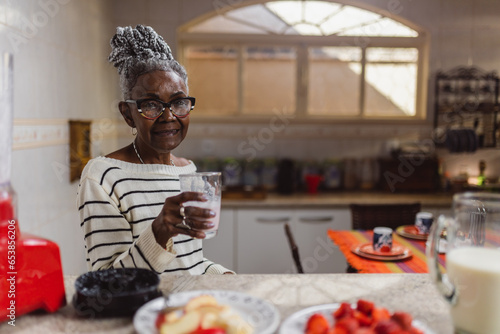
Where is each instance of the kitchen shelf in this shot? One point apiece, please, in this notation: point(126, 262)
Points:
point(467, 98)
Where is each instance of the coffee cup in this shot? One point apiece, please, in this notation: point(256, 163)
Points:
point(382, 239)
point(208, 183)
point(423, 222)
point(471, 284)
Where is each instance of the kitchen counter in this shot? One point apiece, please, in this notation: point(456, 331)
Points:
point(413, 293)
point(341, 199)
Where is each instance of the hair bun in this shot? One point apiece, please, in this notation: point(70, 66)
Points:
point(134, 45)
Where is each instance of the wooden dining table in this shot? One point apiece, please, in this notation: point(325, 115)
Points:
point(348, 240)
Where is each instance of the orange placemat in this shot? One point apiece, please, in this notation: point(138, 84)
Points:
point(346, 240)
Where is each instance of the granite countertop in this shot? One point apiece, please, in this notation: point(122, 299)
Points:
point(341, 199)
point(413, 293)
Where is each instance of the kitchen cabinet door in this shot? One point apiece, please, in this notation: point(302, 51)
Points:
point(317, 251)
point(262, 246)
point(221, 248)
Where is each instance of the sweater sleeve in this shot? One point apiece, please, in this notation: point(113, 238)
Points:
point(108, 235)
point(212, 268)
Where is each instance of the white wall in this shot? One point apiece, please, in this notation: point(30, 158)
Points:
point(60, 73)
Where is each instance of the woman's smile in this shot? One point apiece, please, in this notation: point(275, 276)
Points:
point(166, 132)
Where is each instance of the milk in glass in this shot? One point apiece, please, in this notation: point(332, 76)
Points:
point(475, 272)
point(215, 207)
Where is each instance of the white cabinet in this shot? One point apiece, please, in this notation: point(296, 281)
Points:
point(262, 247)
point(317, 251)
point(221, 248)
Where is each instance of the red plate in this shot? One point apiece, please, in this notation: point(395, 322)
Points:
point(395, 251)
point(410, 231)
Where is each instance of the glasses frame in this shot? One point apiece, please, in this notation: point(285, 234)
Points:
point(164, 104)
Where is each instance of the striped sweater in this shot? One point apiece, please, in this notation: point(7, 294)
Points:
point(117, 202)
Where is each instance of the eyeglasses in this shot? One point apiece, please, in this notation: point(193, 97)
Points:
point(153, 108)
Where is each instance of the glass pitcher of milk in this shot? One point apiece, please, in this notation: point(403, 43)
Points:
point(471, 283)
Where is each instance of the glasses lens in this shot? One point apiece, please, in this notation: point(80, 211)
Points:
point(151, 108)
point(181, 107)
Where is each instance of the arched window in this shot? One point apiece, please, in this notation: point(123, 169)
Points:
point(310, 59)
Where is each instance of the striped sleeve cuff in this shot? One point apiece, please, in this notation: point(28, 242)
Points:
point(217, 269)
point(157, 256)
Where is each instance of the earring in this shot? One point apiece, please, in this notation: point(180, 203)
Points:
point(133, 131)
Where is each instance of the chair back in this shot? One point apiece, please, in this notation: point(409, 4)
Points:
point(369, 216)
point(293, 248)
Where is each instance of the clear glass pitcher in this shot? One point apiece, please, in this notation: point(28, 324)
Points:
point(471, 284)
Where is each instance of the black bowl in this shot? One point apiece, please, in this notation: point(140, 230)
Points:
point(114, 292)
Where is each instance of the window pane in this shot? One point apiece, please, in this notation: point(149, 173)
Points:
point(347, 18)
point(382, 27)
point(334, 81)
point(269, 80)
point(391, 81)
point(259, 17)
point(221, 24)
point(213, 79)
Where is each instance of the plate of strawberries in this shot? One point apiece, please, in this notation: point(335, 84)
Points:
point(363, 317)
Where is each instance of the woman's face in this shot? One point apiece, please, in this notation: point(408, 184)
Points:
point(167, 131)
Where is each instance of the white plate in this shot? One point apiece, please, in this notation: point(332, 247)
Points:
point(296, 323)
point(262, 315)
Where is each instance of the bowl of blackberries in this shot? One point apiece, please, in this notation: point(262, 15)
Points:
point(114, 292)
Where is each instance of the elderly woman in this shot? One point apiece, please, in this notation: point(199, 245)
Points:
point(129, 201)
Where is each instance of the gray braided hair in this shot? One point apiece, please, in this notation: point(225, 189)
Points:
point(139, 50)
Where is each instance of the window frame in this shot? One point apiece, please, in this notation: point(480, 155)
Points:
point(302, 43)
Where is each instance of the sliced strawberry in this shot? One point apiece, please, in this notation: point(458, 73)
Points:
point(380, 313)
point(363, 319)
point(387, 326)
point(349, 324)
point(364, 330)
point(365, 306)
point(317, 324)
point(160, 319)
point(338, 330)
point(210, 331)
point(403, 319)
point(385, 249)
point(345, 310)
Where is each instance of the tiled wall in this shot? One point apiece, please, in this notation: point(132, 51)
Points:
point(60, 73)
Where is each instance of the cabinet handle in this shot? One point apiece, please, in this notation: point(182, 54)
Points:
point(273, 220)
point(313, 220)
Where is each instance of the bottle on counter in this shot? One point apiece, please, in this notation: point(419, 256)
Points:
point(232, 172)
point(269, 174)
point(286, 177)
point(252, 173)
point(350, 174)
point(332, 174)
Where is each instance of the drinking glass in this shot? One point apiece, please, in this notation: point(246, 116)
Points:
point(471, 284)
point(208, 183)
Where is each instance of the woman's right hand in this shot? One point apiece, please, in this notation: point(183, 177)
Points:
point(169, 222)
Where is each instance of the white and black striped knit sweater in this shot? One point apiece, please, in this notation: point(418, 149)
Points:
point(117, 202)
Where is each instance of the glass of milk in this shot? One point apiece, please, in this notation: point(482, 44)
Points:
point(471, 283)
point(208, 183)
